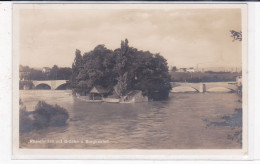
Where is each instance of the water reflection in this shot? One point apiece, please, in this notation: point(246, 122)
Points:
point(234, 121)
point(173, 124)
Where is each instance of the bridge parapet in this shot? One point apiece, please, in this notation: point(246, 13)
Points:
point(53, 84)
point(208, 87)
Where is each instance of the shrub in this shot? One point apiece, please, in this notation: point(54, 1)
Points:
point(25, 122)
point(25, 83)
point(47, 115)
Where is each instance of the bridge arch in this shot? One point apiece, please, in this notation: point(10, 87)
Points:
point(43, 86)
point(62, 86)
point(54, 84)
point(184, 89)
point(220, 89)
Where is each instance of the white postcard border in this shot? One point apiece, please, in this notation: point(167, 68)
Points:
point(121, 153)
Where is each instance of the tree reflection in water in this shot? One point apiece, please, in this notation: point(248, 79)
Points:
point(234, 120)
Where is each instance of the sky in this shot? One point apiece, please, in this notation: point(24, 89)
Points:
point(185, 37)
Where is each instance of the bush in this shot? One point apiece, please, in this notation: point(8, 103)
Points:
point(25, 122)
point(22, 84)
point(47, 115)
point(44, 115)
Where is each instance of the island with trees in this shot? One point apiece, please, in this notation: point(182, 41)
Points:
point(125, 74)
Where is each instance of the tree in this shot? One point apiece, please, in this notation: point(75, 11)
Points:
point(174, 69)
point(76, 66)
point(24, 68)
point(123, 69)
point(152, 76)
point(121, 87)
point(37, 75)
point(54, 73)
point(121, 64)
point(64, 73)
point(97, 69)
point(126, 62)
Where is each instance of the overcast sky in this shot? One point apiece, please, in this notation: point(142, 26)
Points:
point(184, 37)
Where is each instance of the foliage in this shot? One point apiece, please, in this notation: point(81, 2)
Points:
point(47, 115)
point(152, 76)
point(174, 69)
point(124, 69)
point(126, 65)
point(234, 121)
point(25, 83)
point(43, 116)
point(62, 73)
point(56, 73)
point(53, 74)
point(236, 35)
point(76, 66)
point(121, 87)
point(96, 68)
point(25, 122)
point(37, 75)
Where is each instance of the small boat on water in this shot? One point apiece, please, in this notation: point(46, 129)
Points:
point(95, 101)
point(111, 100)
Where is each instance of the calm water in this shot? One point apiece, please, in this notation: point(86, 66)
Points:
point(180, 122)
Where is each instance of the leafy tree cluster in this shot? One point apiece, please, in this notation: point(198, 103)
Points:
point(59, 73)
point(121, 70)
point(55, 73)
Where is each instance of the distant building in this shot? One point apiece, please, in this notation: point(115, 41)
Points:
point(46, 70)
point(181, 70)
point(223, 69)
point(191, 69)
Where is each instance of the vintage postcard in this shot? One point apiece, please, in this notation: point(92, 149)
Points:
point(129, 80)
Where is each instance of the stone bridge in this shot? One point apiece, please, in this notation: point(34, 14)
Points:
point(52, 84)
point(204, 87)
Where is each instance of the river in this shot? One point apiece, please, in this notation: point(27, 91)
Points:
point(184, 121)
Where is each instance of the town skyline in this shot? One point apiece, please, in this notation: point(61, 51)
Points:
point(179, 69)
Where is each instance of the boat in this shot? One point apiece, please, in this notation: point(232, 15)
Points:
point(111, 100)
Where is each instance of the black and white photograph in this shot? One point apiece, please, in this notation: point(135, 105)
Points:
point(130, 76)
